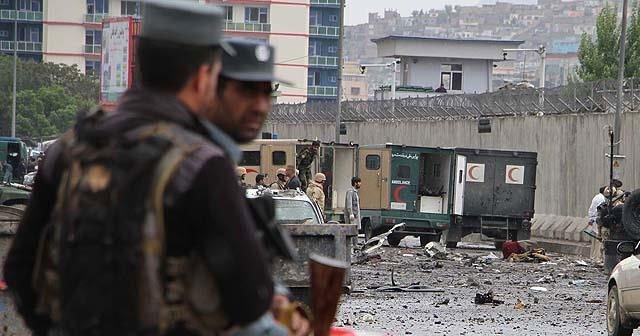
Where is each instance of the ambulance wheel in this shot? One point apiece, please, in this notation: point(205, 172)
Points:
point(452, 244)
point(394, 239)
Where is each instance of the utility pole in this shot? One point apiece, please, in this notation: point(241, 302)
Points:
point(623, 38)
point(340, 66)
point(15, 77)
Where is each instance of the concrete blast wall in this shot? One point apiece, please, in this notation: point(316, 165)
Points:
point(571, 149)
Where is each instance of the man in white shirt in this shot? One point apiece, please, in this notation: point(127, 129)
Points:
point(596, 244)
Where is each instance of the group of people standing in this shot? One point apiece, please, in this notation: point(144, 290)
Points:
point(597, 230)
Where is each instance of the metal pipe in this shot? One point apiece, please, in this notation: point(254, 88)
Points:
point(543, 56)
point(340, 66)
point(15, 77)
point(623, 39)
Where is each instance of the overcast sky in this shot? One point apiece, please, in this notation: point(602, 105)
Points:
point(357, 11)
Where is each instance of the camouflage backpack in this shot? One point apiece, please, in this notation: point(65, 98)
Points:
point(101, 268)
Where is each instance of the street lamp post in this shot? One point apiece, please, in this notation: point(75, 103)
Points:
point(15, 78)
point(623, 33)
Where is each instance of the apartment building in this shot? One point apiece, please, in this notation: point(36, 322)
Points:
point(27, 15)
point(285, 25)
point(324, 29)
point(70, 32)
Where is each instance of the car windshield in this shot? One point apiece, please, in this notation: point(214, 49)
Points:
point(295, 212)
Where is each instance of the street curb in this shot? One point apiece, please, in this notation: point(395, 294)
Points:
point(564, 246)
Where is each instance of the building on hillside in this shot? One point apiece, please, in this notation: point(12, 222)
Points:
point(462, 66)
point(354, 83)
point(559, 68)
point(324, 30)
point(70, 32)
point(28, 16)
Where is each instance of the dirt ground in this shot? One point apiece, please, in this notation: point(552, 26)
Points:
point(564, 309)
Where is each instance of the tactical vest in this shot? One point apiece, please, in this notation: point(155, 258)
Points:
point(101, 267)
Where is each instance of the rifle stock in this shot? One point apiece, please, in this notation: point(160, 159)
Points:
point(327, 276)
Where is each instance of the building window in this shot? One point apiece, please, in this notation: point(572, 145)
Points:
point(404, 171)
point(314, 78)
point(315, 18)
point(250, 158)
point(228, 13)
point(35, 6)
point(333, 18)
point(92, 68)
point(451, 76)
point(332, 49)
point(256, 15)
point(372, 162)
point(130, 7)
point(97, 6)
point(279, 158)
point(313, 48)
point(34, 34)
point(333, 79)
point(4, 2)
point(93, 37)
point(355, 91)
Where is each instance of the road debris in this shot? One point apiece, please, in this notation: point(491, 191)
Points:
point(594, 301)
point(435, 250)
point(377, 241)
point(443, 303)
point(487, 298)
point(365, 258)
point(546, 279)
point(581, 263)
point(539, 289)
point(534, 256)
point(511, 247)
point(408, 255)
point(520, 305)
point(580, 282)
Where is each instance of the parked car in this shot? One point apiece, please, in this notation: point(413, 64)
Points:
point(623, 299)
point(292, 206)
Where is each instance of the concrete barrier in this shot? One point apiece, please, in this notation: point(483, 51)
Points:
point(560, 228)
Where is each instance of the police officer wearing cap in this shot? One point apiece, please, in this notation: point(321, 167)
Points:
point(244, 90)
point(209, 272)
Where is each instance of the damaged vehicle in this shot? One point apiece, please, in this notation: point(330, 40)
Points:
point(291, 206)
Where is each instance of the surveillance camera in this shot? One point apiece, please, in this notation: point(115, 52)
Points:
point(398, 61)
point(362, 69)
point(504, 56)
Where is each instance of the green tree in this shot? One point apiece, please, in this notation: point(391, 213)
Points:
point(599, 58)
point(48, 98)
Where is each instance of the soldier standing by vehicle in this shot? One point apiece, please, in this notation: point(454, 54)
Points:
point(144, 229)
point(352, 203)
point(304, 159)
point(281, 183)
point(315, 191)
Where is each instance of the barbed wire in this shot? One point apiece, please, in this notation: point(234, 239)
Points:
point(591, 97)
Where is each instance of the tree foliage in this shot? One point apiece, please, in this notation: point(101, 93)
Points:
point(48, 97)
point(598, 56)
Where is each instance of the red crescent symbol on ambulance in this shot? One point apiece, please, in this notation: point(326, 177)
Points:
point(250, 170)
point(471, 173)
point(396, 193)
point(510, 174)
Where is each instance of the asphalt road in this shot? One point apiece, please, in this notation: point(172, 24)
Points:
point(566, 308)
point(563, 310)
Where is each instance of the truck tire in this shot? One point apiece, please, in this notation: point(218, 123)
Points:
point(452, 244)
point(367, 229)
point(426, 239)
point(631, 215)
point(394, 239)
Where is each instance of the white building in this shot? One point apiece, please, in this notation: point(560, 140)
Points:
point(462, 66)
point(71, 33)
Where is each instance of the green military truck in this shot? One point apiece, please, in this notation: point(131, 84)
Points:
point(14, 151)
point(450, 191)
point(422, 187)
